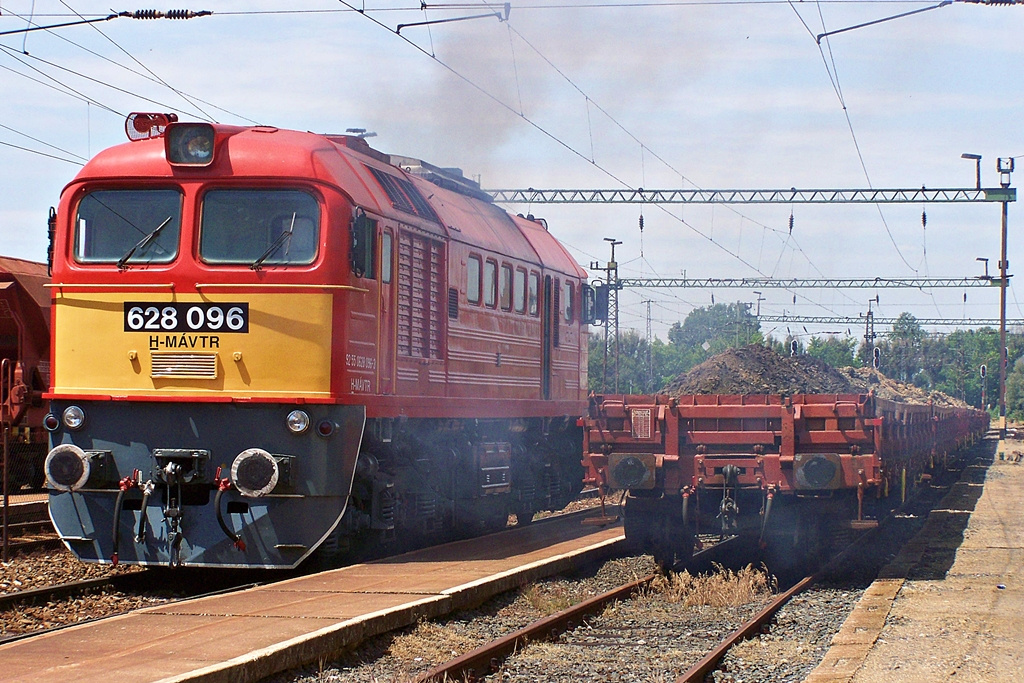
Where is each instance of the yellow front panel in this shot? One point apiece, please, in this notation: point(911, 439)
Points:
point(286, 350)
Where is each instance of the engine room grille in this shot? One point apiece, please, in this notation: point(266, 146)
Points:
point(178, 365)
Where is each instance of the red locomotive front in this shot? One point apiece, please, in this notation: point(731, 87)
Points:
point(268, 342)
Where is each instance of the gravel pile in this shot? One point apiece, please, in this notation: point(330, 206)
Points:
point(756, 369)
point(869, 379)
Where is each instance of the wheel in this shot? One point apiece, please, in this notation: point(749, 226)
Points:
point(524, 515)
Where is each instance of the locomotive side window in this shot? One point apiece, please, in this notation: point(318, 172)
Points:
point(473, 280)
point(128, 227)
point(519, 291)
point(490, 283)
point(385, 257)
point(361, 249)
point(567, 309)
point(506, 287)
point(534, 289)
point(259, 227)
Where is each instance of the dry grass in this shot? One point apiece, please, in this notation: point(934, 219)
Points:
point(723, 588)
point(548, 598)
point(430, 642)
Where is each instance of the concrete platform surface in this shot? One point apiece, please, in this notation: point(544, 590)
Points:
point(251, 634)
point(951, 606)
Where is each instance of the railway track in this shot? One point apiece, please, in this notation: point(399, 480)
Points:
point(28, 528)
point(488, 659)
point(432, 581)
point(147, 585)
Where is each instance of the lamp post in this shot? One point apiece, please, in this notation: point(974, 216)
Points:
point(1005, 168)
point(976, 158)
point(986, 276)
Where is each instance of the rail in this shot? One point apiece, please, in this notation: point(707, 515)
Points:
point(697, 672)
point(477, 663)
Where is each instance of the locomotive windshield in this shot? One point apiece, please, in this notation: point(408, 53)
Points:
point(113, 226)
point(259, 227)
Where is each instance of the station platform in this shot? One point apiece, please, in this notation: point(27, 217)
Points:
point(950, 606)
point(248, 635)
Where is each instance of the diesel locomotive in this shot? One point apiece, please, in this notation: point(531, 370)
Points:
point(270, 344)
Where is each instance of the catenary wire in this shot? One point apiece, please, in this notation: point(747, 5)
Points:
point(135, 72)
point(143, 66)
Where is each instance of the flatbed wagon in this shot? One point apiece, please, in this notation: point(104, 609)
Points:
point(787, 469)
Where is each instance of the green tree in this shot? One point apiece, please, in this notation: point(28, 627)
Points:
point(705, 332)
point(836, 351)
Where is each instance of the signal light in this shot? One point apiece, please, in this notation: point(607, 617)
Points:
point(325, 428)
point(876, 359)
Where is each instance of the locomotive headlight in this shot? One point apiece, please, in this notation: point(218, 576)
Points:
point(255, 472)
point(74, 417)
point(298, 421)
point(190, 144)
point(51, 422)
point(67, 467)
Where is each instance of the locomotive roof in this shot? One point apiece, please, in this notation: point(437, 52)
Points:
point(350, 164)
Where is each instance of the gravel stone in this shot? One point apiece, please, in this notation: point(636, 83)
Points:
point(40, 569)
point(796, 641)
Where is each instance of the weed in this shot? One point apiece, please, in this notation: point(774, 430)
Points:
point(548, 599)
point(722, 588)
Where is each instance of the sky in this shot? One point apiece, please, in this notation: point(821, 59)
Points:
point(655, 94)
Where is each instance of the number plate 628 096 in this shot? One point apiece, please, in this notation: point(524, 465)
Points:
point(184, 317)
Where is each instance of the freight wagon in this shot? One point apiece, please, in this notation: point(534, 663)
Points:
point(787, 470)
point(24, 368)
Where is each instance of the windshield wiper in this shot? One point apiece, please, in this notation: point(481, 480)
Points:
point(275, 246)
point(141, 244)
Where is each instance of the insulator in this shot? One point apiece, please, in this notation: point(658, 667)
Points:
point(924, 219)
point(169, 14)
point(791, 223)
point(641, 222)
